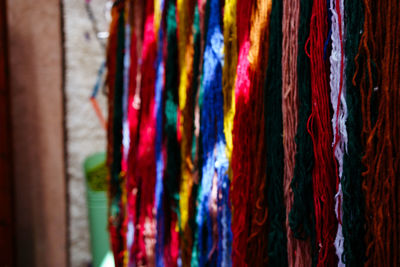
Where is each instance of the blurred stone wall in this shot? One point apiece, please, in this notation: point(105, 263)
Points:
point(85, 135)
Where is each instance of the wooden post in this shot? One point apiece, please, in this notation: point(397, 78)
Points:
point(6, 181)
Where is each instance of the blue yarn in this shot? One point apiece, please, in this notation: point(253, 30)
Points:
point(224, 209)
point(158, 145)
point(214, 159)
point(99, 79)
point(127, 64)
point(221, 165)
point(328, 38)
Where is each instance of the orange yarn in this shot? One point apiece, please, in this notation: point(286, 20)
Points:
point(378, 67)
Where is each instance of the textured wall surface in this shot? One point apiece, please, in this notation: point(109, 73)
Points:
point(85, 135)
point(35, 53)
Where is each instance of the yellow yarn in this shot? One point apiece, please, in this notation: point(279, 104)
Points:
point(157, 16)
point(185, 10)
point(229, 74)
point(183, 37)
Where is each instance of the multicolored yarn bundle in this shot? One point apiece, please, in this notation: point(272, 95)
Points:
point(254, 132)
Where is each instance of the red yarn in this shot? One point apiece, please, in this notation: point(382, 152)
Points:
point(133, 118)
point(240, 157)
point(257, 245)
point(319, 127)
point(173, 247)
point(145, 169)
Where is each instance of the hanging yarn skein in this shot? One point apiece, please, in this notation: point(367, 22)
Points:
point(257, 248)
point(353, 200)
point(277, 242)
point(299, 251)
point(111, 74)
point(319, 127)
point(132, 123)
point(197, 153)
point(125, 130)
point(229, 73)
point(378, 69)
point(228, 83)
point(193, 109)
point(240, 188)
point(186, 107)
point(159, 157)
point(136, 247)
point(302, 216)
point(221, 184)
point(339, 106)
point(173, 159)
point(114, 155)
point(211, 136)
point(146, 170)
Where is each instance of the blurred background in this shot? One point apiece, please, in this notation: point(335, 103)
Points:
point(52, 109)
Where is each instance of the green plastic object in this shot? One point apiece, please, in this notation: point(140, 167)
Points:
point(96, 188)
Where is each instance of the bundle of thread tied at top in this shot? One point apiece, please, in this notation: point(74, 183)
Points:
point(254, 133)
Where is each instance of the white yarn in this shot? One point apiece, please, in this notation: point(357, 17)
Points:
point(125, 121)
point(339, 115)
point(125, 129)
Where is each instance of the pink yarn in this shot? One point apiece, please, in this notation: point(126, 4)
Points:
point(298, 250)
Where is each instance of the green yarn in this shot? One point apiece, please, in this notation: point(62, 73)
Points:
point(172, 171)
point(117, 116)
point(196, 67)
point(277, 250)
point(199, 37)
point(302, 216)
point(203, 38)
point(195, 85)
point(353, 198)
